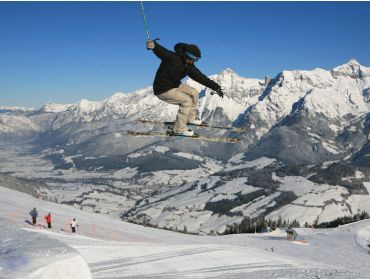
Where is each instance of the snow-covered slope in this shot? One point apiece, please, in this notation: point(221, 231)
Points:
point(240, 93)
point(250, 189)
point(27, 254)
point(15, 125)
point(114, 249)
point(173, 189)
point(312, 116)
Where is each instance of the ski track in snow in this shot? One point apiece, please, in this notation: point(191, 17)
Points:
point(115, 249)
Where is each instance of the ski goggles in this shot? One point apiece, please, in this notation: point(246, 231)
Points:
point(191, 56)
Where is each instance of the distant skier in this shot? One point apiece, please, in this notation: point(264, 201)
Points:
point(167, 83)
point(48, 219)
point(34, 215)
point(74, 225)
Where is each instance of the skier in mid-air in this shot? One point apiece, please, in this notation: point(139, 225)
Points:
point(167, 83)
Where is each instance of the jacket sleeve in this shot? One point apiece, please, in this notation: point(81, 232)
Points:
point(162, 53)
point(199, 77)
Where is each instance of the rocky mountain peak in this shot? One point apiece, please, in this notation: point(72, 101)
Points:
point(351, 69)
point(227, 72)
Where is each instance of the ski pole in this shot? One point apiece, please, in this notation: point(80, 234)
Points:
point(145, 23)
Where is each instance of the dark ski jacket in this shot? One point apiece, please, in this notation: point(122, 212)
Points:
point(34, 213)
point(173, 69)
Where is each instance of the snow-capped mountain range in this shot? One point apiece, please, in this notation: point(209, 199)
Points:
point(307, 125)
point(335, 94)
point(143, 104)
point(331, 103)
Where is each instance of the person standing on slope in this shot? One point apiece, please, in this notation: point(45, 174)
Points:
point(34, 215)
point(48, 219)
point(73, 225)
point(167, 83)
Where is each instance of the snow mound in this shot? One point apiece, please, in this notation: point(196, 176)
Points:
point(32, 255)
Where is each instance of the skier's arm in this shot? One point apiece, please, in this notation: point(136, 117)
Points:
point(161, 52)
point(199, 77)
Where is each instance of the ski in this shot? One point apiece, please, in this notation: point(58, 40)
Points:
point(195, 137)
point(229, 128)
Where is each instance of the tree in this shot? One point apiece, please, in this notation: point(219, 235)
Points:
point(279, 222)
point(295, 224)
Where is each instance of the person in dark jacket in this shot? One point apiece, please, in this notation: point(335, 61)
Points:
point(167, 83)
point(34, 215)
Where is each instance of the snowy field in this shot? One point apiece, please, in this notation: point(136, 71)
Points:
point(109, 248)
point(107, 191)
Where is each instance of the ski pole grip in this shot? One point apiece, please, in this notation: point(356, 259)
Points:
point(153, 41)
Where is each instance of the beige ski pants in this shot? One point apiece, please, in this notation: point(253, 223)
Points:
point(187, 98)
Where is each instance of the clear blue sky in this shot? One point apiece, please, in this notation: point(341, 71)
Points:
point(65, 51)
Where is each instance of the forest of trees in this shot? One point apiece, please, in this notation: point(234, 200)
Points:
point(345, 220)
point(257, 224)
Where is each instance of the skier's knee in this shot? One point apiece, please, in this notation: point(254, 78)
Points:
point(187, 103)
point(188, 89)
point(193, 92)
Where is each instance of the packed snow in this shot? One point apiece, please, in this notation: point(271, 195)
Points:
point(31, 254)
point(115, 249)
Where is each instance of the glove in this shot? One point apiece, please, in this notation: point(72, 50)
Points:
point(220, 92)
point(150, 44)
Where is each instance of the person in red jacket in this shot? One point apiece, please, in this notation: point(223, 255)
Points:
point(48, 219)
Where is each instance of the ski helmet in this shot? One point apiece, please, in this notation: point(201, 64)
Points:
point(193, 52)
